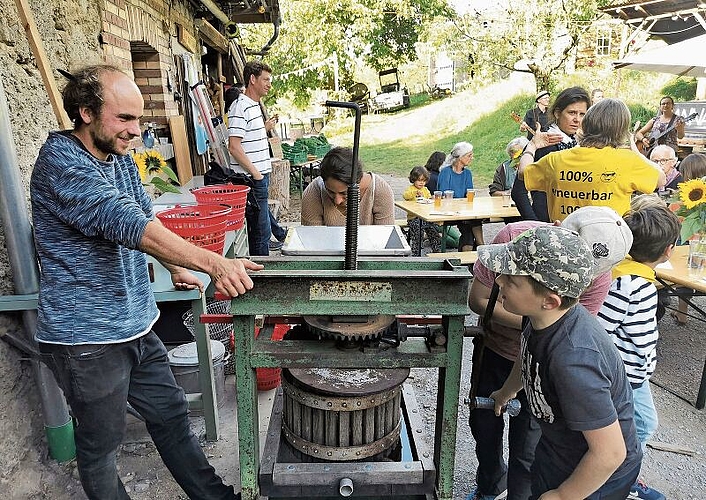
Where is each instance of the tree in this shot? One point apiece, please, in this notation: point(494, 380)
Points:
point(542, 33)
point(380, 34)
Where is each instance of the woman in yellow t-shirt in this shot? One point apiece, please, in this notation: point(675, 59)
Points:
point(605, 170)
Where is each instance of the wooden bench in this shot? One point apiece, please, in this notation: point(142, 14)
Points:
point(466, 258)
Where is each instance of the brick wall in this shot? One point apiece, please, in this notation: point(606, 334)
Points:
point(136, 37)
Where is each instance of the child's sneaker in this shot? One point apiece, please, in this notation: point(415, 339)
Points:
point(640, 491)
point(476, 495)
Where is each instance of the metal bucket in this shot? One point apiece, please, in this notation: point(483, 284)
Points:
point(342, 415)
point(184, 363)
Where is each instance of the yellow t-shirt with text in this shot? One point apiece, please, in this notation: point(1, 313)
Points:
point(581, 177)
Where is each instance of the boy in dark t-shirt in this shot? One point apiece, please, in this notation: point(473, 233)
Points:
point(570, 369)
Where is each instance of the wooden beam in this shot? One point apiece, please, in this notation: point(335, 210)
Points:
point(182, 156)
point(35, 43)
point(212, 36)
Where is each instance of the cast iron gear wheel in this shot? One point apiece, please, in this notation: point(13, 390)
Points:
point(360, 328)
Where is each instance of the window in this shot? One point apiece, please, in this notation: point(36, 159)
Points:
point(603, 42)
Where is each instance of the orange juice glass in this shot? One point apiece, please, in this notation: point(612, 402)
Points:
point(437, 199)
point(470, 194)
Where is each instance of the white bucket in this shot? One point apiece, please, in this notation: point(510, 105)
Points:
point(184, 362)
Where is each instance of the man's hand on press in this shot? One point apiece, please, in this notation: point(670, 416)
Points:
point(231, 276)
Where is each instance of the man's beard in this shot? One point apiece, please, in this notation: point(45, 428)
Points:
point(105, 145)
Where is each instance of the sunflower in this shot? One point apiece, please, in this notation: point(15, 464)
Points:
point(692, 193)
point(141, 165)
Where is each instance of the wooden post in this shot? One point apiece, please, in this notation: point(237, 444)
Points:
point(279, 182)
point(181, 149)
point(35, 43)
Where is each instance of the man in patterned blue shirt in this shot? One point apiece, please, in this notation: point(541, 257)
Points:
point(93, 225)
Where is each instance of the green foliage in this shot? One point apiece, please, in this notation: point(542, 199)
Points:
point(542, 33)
point(489, 136)
point(166, 186)
point(640, 113)
point(383, 34)
point(681, 89)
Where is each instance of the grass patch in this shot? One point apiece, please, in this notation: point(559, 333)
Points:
point(489, 136)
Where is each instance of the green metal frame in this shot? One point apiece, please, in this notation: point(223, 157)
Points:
point(293, 287)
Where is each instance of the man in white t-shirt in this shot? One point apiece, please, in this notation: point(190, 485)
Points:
point(250, 149)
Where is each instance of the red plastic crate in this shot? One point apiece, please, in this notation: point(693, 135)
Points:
point(229, 194)
point(202, 225)
point(270, 378)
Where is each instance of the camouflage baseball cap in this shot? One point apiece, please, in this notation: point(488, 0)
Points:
point(554, 256)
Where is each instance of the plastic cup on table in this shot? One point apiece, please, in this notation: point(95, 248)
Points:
point(437, 199)
point(696, 262)
point(507, 200)
point(470, 194)
point(448, 196)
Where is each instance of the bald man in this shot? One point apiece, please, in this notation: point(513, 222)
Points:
point(93, 225)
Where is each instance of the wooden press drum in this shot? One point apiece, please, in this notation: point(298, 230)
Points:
point(342, 415)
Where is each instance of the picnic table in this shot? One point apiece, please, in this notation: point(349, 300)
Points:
point(676, 273)
point(456, 210)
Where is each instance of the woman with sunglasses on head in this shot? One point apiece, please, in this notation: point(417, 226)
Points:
point(566, 115)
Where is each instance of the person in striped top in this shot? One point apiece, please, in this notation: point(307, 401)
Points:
point(629, 312)
point(250, 149)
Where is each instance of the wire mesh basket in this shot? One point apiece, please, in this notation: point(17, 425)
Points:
point(267, 378)
point(235, 196)
point(222, 332)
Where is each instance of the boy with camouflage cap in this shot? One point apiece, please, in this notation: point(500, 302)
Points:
point(570, 370)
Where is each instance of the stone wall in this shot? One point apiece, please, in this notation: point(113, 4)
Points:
point(138, 36)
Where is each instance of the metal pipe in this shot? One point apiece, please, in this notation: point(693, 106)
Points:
point(216, 11)
point(21, 253)
point(345, 487)
point(223, 17)
point(266, 48)
point(353, 195)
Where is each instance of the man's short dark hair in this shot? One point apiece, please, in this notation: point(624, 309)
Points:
point(254, 68)
point(654, 228)
point(85, 90)
point(337, 165)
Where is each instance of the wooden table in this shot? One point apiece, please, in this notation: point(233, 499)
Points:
point(466, 258)
point(675, 272)
point(456, 210)
point(297, 172)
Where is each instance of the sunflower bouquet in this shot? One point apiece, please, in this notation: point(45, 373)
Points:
point(152, 166)
point(692, 194)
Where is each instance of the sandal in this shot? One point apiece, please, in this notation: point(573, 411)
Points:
point(675, 316)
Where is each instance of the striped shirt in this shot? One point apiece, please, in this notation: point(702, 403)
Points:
point(245, 120)
point(629, 315)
